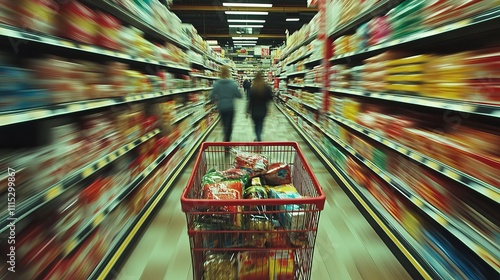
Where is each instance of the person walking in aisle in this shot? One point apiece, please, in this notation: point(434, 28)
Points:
point(259, 95)
point(223, 94)
point(246, 86)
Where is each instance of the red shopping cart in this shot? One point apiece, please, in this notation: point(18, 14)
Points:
point(252, 239)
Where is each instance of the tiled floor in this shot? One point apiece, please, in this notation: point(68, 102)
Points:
point(346, 247)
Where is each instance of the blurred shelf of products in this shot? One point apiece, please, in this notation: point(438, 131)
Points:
point(407, 120)
point(101, 108)
point(103, 103)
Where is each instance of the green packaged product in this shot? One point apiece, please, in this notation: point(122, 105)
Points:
point(406, 9)
point(380, 159)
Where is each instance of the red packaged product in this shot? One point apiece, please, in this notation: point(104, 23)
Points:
point(91, 197)
point(107, 33)
point(256, 164)
point(78, 22)
point(278, 174)
point(222, 191)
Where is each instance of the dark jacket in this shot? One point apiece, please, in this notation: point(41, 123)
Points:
point(246, 84)
point(257, 103)
point(224, 93)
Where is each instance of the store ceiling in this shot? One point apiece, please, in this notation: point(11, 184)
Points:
point(210, 19)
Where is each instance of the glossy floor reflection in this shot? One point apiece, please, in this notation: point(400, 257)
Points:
point(346, 248)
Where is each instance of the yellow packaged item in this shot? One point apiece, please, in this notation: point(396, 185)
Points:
point(404, 87)
point(414, 68)
point(281, 264)
point(417, 59)
point(416, 78)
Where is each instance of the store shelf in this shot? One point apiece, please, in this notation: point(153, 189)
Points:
point(202, 65)
point(411, 248)
point(377, 9)
point(127, 235)
point(126, 16)
point(181, 118)
point(297, 73)
point(16, 33)
point(295, 85)
point(299, 58)
point(20, 116)
point(485, 22)
point(32, 204)
point(478, 244)
point(205, 77)
point(198, 50)
point(471, 182)
point(100, 217)
point(313, 61)
point(460, 106)
point(297, 46)
point(313, 86)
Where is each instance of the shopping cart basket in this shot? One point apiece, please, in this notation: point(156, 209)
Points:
point(273, 238)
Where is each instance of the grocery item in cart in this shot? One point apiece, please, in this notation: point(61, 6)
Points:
point(217, 266)
point(281, 265)
point(253, 265)
point(254, 163)
point(278, 174)
point(258, 223)
point(222, 191)
point(291, 216)
point(214, 176)
point(214, 239)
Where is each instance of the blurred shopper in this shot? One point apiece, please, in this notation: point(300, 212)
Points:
point(223, 94)
point(260, 94)
point(246, 86)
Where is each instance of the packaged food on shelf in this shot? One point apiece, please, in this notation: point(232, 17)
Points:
point(439, 13)
point(38, 15)
point(357, 172)
point(77, 22)
point(107, 31)
point(36, 250)
point(8, 12)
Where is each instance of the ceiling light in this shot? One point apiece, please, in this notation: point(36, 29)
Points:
point(245, 38)
point(253, 5)
point(247, 20)
point(245, 55)
point(246, 13)
point(245, 44)
point(248, 42)
point(247, 26)
point(212, 42)
point(292, 19)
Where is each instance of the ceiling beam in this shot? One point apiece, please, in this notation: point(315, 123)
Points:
point(238, 35)
point(188, 8)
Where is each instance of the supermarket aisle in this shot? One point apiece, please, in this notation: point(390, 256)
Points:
point(347, 247)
